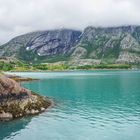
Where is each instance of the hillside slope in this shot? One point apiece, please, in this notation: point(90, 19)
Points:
point(107, 45)
point(114, 45)
point(41, 45)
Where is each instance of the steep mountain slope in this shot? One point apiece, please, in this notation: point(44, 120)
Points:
point(12, 48)
point(41, 45)
point(109, 45)
point(115, 45)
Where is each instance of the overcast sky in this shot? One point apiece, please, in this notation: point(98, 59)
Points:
point(21, 16)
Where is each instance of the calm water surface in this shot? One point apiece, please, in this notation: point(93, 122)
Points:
point(93, 105)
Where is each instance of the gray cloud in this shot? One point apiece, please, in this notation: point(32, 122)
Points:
point(22, 16)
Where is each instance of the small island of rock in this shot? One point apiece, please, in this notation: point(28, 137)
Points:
point(16, 101)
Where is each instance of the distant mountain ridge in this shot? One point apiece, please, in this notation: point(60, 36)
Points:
point(104, 44)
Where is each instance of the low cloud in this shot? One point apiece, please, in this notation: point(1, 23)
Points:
point(21, 16)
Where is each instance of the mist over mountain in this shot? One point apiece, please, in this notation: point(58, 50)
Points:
point(19, 17)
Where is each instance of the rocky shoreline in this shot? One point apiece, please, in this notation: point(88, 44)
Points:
point(16, 101)
point(19, 78)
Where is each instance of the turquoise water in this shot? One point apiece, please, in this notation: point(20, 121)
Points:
point(93, 105)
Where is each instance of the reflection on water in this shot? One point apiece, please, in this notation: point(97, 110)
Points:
point(101, 105)
point(9, 129)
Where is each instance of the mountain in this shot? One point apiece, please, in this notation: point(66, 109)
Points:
point(102, 44)
point(115, 45)
point(41, 45)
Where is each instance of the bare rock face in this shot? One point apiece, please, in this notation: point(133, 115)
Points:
point(54, 42)
point(128, 57)
point(16, 101)
point(78, 53)
point(120, 44)
point(41, 45)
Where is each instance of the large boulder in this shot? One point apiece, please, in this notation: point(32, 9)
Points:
point(16, 101)
point(9, 89)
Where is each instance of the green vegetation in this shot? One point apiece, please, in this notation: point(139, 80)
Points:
point(31, 56)
point(105, 66)
point(50, 67)
point(6, 66)
point(20, 66)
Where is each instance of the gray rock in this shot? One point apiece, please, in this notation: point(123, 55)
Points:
point(54, 42)
point(128, 58)
point(79, 52)
point(82, 62)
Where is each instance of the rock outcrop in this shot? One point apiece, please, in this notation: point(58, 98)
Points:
point(114, 44)
point(16, 101)
point(41, 45)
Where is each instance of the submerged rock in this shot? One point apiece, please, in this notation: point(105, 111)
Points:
point(16, 101)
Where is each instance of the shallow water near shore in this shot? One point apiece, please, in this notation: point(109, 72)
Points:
point(90, 105)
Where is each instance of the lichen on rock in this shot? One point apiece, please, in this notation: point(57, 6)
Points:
point(16, 101)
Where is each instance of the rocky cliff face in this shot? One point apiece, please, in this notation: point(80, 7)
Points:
point(41, 45)
point(13, 47)
point(117, 45)
point(16, 101)
point(54, 42)
point(111, 45)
